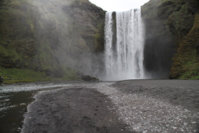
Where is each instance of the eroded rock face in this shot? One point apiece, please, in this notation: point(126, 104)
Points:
point(167, 23)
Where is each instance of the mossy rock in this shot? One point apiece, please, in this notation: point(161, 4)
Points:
point(186, 60)
point(172, 21)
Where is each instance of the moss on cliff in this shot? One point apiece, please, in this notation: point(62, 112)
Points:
point(16, 37)
point(184, 24)
point(99, 37)
point(186, 60)
point(176, 21)
point(28, 42)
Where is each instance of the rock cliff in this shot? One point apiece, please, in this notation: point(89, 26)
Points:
point(171, 46)
point(57, 38)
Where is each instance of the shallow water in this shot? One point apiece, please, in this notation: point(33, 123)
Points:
point(30, 87)
point(14, 100)
point(12, 107)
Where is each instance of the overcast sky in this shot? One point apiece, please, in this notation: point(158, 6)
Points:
point(118, 5)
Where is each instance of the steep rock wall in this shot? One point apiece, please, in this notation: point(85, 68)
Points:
point(47, 40)
point(168, 22)
point(186, 60)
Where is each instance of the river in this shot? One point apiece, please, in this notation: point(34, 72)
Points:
point(99, 107)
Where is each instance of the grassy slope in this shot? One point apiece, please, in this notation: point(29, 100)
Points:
point(183, 23)
point(186, 60)
point(15, 75)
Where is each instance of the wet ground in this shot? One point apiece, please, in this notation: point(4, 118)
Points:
point(148, 106)
point(12, 108)
point(73, 110)
point(14, 100)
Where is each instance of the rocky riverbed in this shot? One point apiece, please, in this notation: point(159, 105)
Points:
point(140, 106)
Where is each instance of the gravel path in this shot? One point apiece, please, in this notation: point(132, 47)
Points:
point(142, 106)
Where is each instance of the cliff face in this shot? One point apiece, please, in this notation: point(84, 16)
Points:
point(52, 37)
point(171, 38)
point(186, 60)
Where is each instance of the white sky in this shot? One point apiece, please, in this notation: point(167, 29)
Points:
point(119, 5)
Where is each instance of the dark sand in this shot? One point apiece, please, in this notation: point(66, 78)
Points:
point(75, 110)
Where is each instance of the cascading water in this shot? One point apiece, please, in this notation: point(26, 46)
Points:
point(124, 45)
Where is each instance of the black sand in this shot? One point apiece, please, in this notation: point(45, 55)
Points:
point(77, 110)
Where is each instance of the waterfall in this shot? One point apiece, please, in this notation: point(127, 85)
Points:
point(124, 45)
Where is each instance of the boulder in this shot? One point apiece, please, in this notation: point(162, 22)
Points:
point(1, 80)
point(89, 78)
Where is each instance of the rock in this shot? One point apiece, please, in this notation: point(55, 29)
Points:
point(74, 31)
point(1, 80)
point(171, 39)
point(159, 44)
point(185, 62)
point(89, 78)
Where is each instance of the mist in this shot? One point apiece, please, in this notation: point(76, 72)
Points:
point(159, 42)
point(61, 26)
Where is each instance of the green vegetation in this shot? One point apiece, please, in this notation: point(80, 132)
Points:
point(186, 60)
point(18, 52)
point(15, 75)
point(99, 37)
point(29, 46)
point(179, 19)
point(17, 41)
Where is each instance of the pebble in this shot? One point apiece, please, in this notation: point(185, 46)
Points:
point(147, 115)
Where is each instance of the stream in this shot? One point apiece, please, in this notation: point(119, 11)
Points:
point(14, 100)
